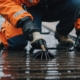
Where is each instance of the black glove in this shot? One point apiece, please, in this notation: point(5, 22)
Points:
point(37, 44)
point(38, 41)
point(77, 42)
point(31, 32)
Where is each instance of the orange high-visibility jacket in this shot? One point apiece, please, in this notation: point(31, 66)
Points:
point(7, 66)
point(12, 11)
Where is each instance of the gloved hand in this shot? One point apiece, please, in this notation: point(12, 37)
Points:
point(31, 32)
point(38, 41)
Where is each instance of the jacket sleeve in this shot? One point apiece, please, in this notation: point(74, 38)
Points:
point(12, 12)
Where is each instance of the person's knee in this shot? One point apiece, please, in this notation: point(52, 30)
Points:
point(17, 45)
point(18, 42)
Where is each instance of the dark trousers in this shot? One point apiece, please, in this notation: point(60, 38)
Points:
point(65, 11)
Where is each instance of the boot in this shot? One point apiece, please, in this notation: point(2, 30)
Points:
point(63, 39)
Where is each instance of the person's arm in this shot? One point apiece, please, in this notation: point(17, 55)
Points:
point(31, 32)
point(18, 17)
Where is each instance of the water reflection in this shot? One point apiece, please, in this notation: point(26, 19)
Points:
point(10, 67)
point(68, 64)
point(16, 65)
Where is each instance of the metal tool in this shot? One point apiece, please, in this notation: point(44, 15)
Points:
point(44, 54)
